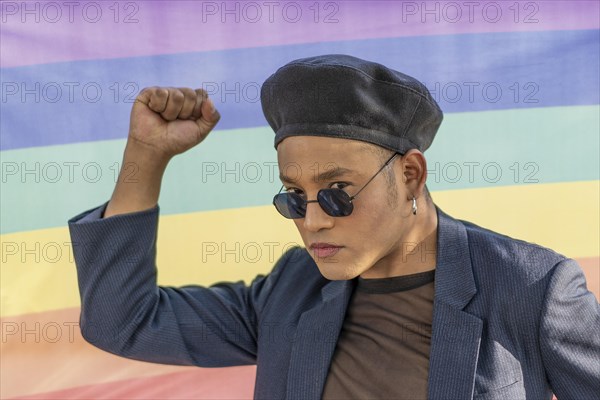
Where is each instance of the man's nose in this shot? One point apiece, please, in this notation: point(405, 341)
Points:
point(317, 219)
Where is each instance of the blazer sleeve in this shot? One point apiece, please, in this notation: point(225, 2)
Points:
point(124, 312)
point(570, 334)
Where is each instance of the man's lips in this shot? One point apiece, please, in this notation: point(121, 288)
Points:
point(322, 245)
point(323, 250)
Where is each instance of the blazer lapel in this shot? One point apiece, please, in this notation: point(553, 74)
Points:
point(456, 334)
point(316, 336)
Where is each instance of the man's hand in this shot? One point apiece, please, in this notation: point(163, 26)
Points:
point(170, 121)
point(164, 122)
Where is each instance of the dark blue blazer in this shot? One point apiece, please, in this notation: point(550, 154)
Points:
point(511, 319)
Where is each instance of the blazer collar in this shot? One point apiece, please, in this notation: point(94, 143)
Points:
point(454, 281)
point(455, 333)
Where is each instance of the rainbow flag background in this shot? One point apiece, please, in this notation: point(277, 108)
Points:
point(518, 151)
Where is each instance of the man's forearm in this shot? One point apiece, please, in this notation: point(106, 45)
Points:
point(138, 186)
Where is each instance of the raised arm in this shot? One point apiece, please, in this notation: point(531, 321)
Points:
point(123, 311)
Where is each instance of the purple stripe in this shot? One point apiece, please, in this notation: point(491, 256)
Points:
point(190, 26)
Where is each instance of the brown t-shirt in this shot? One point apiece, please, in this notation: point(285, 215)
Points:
point(383, 348)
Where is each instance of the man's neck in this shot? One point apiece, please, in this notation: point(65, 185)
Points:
point(415, 253)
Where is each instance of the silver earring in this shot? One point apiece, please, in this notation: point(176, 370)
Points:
point(414, 206)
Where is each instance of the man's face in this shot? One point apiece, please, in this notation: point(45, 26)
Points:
point(373, 230)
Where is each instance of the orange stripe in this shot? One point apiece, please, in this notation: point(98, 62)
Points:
point(203, 383)
point(45, 353)
point(591, 269)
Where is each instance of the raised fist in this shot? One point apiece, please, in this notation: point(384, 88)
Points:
point(170, 121)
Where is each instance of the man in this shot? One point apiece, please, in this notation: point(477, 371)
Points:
point(392, 298)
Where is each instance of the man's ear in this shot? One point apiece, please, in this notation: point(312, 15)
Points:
point(414, 172)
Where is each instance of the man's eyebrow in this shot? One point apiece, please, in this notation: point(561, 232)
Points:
point(329, 174)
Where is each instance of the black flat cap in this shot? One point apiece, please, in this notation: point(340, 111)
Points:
point(341, 96)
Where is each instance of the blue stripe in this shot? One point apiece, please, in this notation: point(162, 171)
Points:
point(531, 69)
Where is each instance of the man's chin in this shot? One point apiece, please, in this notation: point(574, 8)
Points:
point(335, 272)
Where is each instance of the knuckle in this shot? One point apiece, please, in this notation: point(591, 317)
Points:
point(161, 93)
point(145, 91)
point(202, 93)
point(190, 99)
point(177, 95)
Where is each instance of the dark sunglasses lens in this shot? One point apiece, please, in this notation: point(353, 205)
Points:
point(290, 205)
point(335, 202)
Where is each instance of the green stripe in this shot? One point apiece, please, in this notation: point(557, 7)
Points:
point(528, 146)
point(542, 145)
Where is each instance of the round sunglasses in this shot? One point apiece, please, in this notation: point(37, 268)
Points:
point(335, 202)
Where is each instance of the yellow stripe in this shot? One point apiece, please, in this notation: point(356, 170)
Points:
point(562, 216)
point(38, 273)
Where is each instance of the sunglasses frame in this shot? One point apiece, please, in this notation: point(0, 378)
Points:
point(350, 198)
